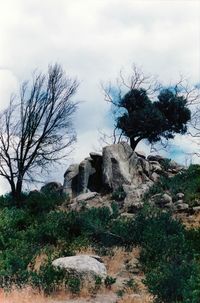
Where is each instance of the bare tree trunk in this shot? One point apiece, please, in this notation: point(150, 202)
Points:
point(18, 193)
point(16, 190)
point(13, 189)
point(134, 142)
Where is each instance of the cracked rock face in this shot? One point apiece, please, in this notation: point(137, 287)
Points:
point(119, 166)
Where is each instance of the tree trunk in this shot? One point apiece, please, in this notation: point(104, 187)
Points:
point(133, 143)
point(17, 193)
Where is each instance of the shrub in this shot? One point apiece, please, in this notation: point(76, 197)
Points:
point(74, 284)
point(191, 291)
point(119, 194)
point(166, 255)
point(131, 284)
point(109, 281)
point(165, 163)
point(48, 279)
point(38, 203)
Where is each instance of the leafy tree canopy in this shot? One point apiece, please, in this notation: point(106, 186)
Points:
point(144, 119)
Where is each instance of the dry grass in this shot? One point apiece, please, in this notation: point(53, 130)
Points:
point(192, 221)
point(86, 251)
point(26, 295)
point(115, 262)
point(38, 262)
point(136, 299)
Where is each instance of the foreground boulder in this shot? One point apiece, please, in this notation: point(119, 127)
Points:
point(83, 265)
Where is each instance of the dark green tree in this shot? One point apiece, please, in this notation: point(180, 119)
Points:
point(144, 109)
point(143, 119)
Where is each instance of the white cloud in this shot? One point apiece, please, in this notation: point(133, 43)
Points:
point(93, 39)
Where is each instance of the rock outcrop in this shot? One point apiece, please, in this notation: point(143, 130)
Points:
point(119, 167)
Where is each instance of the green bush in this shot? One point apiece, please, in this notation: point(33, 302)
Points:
point(109, 281)
point(48, 279)
point(131, 284)
point(166, 281)
point(165, 163)
point(119, 194)
point(167, 256)
point(74, 285)
point(191, 291)
point(38, 203)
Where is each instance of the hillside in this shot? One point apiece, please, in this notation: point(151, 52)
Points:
point(134, 221)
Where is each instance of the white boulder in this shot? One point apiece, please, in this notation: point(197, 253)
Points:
point(82, 265)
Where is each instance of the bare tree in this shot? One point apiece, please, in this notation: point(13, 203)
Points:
point(36, 129)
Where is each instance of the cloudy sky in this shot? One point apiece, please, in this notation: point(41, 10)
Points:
point(93, 40)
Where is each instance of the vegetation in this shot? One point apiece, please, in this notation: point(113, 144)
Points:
point(187, 182)
point(170, 253)
point(119, 194)
point(109, 281)
point(36, 129)
point(144, 109)
point(143, 119)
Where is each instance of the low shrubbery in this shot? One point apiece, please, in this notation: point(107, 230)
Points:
point(169, 256)
point(36, 229)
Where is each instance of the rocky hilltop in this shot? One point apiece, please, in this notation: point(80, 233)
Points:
point(121, 171)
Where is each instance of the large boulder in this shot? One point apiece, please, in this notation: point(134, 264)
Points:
point(82, 265)
point(84, 177)
point(71, 180)
point(181, 207)
point(85, 201)
point(86, 169)
point(119, 166)
point(163, 200)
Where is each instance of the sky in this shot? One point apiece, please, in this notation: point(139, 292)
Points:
point(93, 40)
